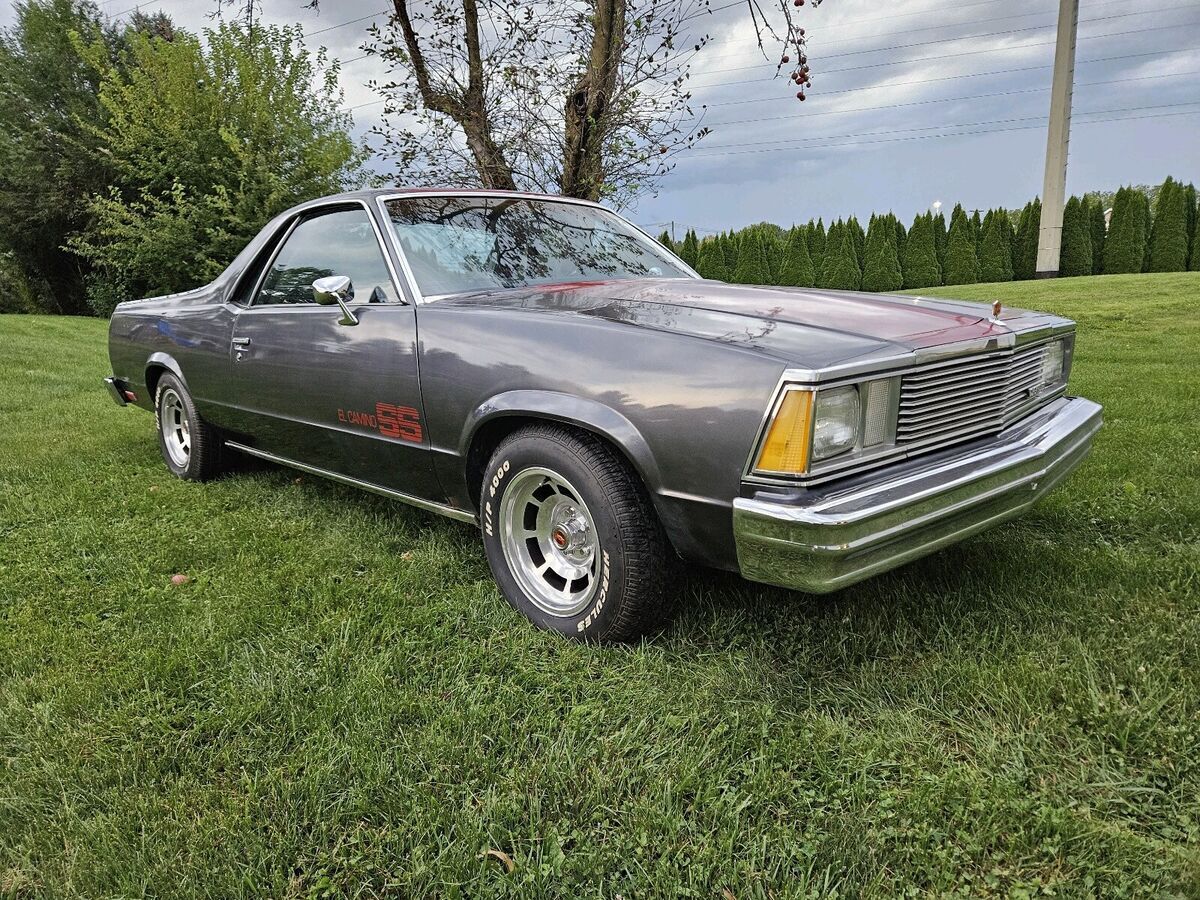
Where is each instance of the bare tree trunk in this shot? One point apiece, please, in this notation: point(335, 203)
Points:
point(587, 106)
point(468, 111)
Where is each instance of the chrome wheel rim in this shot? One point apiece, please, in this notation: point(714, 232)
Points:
point(549, 541)
point(176, 430)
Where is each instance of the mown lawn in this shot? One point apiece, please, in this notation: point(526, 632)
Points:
point(340, 703)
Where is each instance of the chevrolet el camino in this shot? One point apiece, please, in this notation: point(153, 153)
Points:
point(541, 368)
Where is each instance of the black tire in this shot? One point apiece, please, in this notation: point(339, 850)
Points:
point(200, 460)
point(630, 552)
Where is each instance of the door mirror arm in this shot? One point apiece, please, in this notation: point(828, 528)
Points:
point(335, 289)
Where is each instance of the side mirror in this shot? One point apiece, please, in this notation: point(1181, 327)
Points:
point(335, 289)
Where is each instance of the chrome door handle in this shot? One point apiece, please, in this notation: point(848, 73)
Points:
point(241, 342)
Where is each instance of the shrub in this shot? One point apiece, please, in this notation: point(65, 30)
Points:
point(939, 239)
point(841, 270)
point(689, 250)
point(995, 249)
point(1169, 235)
point(1075, 255)
point(797, 264)
point(920, 267)
point(1026, 241)
point(882, 269)
point(710, 260)
point(752, 263)
point(1125, 248)
point(962, 264)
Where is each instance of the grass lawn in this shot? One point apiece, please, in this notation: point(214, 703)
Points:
point(339, 702)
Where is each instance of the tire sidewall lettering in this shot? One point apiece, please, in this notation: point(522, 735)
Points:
point(493, 487)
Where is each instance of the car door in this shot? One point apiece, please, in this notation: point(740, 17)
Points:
point(313, 386)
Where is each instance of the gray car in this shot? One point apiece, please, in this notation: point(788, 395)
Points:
point(543, 369)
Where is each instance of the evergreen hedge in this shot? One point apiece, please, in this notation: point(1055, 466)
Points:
point(1026, 241)
point(1099, 230)
point(920, 267)
point(710, 260)
point(995, 248)
point(841, 270)
point(962, 264)
point(1169, 234)
point(689, 251)
point(882, 269)
point(797, 264)
point(1075, 256)
point(1125, 248)
point(752, 262)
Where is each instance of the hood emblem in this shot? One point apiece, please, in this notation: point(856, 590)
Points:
point(996, 307)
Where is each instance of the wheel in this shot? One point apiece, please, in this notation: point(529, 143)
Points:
point(571, 536)
point(189, 445)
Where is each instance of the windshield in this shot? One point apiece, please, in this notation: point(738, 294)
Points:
point(459, 244)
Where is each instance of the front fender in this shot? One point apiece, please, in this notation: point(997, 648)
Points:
point(571, 410)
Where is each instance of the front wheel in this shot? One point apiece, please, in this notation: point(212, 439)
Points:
point(571, 536)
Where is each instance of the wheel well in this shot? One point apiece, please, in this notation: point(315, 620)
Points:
point(489, 435)
point(154, 371)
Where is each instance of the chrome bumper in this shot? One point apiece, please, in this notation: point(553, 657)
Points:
point(824, 539)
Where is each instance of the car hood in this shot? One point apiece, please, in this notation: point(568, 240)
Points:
point(813, 327)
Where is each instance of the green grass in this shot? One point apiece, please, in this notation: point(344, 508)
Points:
point(339, 701)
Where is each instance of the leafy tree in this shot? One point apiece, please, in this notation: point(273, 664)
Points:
point(920, 267)
point(710, 261)
point(1075, 257)
point(752, 261)
point(1098, 229)
point(1125, 247)
point(995, 249)
point(797, 265)
point(962, 264)
point(1026, 242)
point(841, 271)
point(1169, 234)
point(49, 164)
point(882, 270)
point(207, 141)
point(689, 251)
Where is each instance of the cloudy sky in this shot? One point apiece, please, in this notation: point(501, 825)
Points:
point(913, 101)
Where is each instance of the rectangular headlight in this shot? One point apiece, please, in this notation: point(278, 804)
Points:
point(1054, 358)
point(837, 417)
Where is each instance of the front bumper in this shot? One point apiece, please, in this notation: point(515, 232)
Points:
point(824, 539)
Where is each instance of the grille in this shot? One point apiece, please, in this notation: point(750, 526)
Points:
point(968, 397)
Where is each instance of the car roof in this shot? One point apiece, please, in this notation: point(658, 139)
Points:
point(374, 193)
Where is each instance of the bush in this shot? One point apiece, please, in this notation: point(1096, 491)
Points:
point(1169, 234)
point(752, 263)
point(815, 238)
point(710, 260)
point(962, 265)
point(1025, 244)
point(689, 250)
point(995, 249)
point(920, 267)
point(939, 239)
point(841, 263)
point(882, 270)
point(797, 264)
point(1125, 247)
point(1075, 254)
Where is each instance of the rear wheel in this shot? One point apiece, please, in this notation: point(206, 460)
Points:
point(190, 446)
point(572, 537)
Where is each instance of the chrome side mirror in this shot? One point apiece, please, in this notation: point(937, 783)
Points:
point(335, 289)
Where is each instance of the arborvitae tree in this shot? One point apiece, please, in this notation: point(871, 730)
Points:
point(710, 260)
point(995, 250)
point(833, 244)
point(962, 265)
point(939, 239)
point(815, 238)
point(797, 264)
point(752, 262)
point(1194, 263)
point(1125, 247)
point(773, 249)
point(920, 255)
point(1189, 206)
point(665, 240)
point(689, 250)
point(1169, 235)
point(1025, 245)
point(1148, 220)
point(976, 229)
point(882, 271)
point(1075, 254)
point(860, 239)
point(729, 245)
point(841, 271)
point(901, 235)
point(1097, 231)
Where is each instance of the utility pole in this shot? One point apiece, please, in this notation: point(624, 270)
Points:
point(1058, 137)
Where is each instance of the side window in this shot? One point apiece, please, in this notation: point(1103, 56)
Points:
point(333, 243)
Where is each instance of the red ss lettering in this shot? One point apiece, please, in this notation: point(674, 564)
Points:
point(401, 422)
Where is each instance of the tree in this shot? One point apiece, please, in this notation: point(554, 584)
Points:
point(710, 262)
point(995, 249)
point(833, 244)
point(841, 270)
point(1194, 262)
point(939, 238)
point(860, 239)
point(1075, 257)
point(1098, 232)
point(797, 264)
point(920, 267)
point(976, 229)
point(1125, 247)
point(1189, 203)
point(752, 261)
point(206, 142)
point(48, 160)
point(729, 245)
point(962, 265)
point(1169, 233)
point(689, 250)
point(773, 249)
point(815, 238)
point(882, 269)
point(1026, 242)
point(665, 240)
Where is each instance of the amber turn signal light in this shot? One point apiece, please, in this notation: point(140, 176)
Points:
point(789, 438)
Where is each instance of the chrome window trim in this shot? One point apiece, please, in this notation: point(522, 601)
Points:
point(310, 212)
point(923, 359)
point(381, 201)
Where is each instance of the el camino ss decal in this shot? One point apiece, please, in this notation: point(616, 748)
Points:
point(399, 422)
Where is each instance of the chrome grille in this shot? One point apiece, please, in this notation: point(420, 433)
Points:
point(968, 397)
